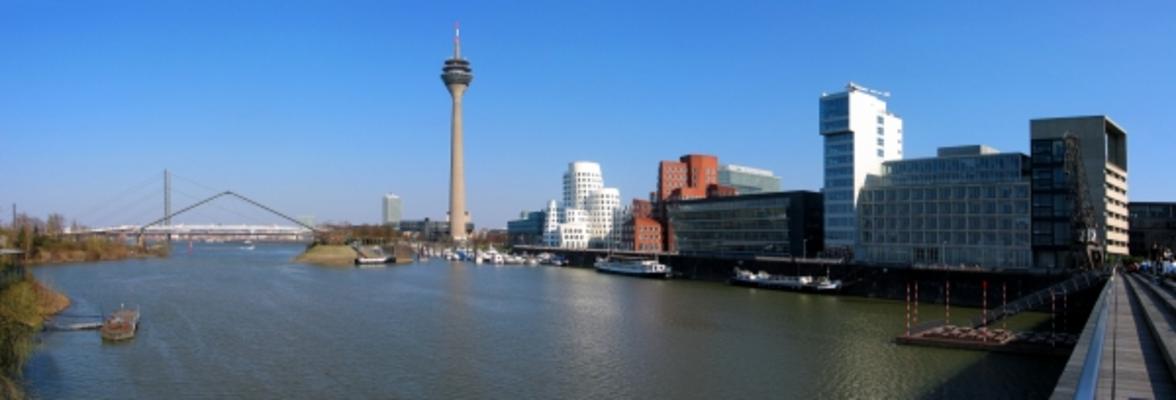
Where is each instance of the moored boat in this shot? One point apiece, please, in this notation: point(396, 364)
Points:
point(120, 325)
point(641, 268)
point(765, 280)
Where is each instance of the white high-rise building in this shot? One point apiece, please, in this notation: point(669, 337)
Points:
point(589, 211)
point(603, 206)
point(391, 210)
point(574, 231)
point(859, 135)
point(582, 179)
point(551, 225)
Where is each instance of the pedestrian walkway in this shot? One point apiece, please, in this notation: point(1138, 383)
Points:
point(1132, 364)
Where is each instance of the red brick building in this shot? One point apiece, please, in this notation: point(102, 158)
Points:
point(689, 176)
point(644, 233)
point(642, 208)
point(693, 176)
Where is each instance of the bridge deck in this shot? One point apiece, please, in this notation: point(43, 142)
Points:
point(1132, 365)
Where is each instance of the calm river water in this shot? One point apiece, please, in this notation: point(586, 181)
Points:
point(221, 322)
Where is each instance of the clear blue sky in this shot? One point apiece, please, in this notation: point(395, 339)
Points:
point(319, 108)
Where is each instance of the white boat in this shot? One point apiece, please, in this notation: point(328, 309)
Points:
point(642, 268)
point(765, 280)
point(370, 261)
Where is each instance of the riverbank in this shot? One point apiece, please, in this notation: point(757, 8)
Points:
point(24, 306)
point(89, 250)
point(329, 255)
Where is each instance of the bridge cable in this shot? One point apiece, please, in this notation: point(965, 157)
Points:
point(109, 202)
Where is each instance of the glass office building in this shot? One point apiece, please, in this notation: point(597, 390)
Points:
point(968, 206)
point(768, 224)
point(1153, 228)
point(860, 134)
point(748, 180)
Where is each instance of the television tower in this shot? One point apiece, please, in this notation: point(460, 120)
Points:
point(457, 76)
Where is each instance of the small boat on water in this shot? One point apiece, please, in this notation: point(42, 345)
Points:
point(635, 267)
point(765, 280)
point(120, 325)
point(373, 261)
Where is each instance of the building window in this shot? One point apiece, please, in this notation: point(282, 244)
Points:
point(881, 153)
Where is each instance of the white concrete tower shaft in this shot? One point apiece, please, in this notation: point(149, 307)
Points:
point(457, 76)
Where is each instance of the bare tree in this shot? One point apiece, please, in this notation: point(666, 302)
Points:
point(55, 224)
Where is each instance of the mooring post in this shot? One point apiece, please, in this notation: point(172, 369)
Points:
point(947, 303)
point(916, 318)
point(908, 309)
point(984, 303)
point(1004, 306)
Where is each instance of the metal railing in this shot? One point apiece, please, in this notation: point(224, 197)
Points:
point(1080, 378)
point(1088, 380)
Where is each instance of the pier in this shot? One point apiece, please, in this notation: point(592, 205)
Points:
point(1127, 345)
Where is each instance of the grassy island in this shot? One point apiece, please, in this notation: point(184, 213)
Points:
point(331, 255)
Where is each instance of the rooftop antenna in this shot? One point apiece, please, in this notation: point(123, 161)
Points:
point(456, 40)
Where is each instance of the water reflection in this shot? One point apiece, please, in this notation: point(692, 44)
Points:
point(226, 323)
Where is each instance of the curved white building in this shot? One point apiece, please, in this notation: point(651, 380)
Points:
point(582, 179)
point(603, 205)
point(551, 224)
point(589, 212)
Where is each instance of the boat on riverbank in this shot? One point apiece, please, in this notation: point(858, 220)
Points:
point(784, 282)
point(120, 325)
point(635, 267)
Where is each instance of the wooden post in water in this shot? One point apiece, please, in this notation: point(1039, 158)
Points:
point(908, 309)
point(947, 303)
point(916, 317)
point(1004, 306)
point(984, 308)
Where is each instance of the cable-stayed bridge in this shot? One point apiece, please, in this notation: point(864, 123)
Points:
point(205, 218)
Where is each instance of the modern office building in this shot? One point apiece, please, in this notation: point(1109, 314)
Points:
point(967, 206)
point(860, 134)
point(528, 229)
point(431, 230)
point(784, 224)
point(1099, 148)
point(748, 180)
point(392, 210)
point(457, 76)
point(1153, 229)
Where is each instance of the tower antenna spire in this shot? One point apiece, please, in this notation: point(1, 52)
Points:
point(457, 40)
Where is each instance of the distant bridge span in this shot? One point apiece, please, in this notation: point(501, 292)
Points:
point(144, 229)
